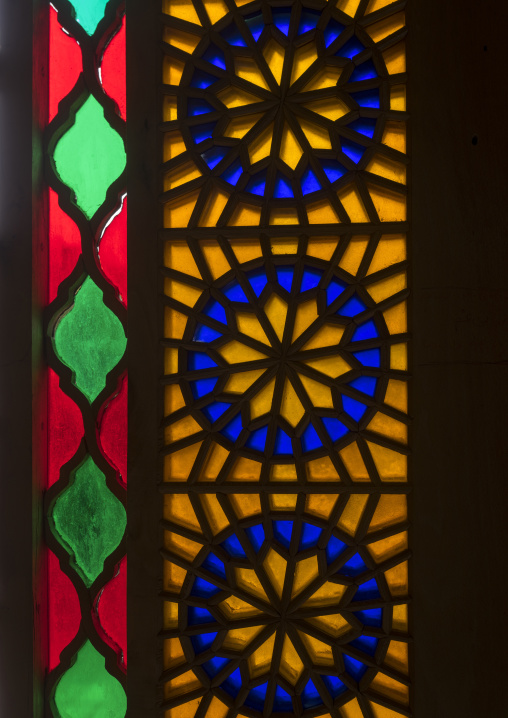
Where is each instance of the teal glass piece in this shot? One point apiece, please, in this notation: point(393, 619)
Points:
point(90, 339)
point(89, 13)
point(87, 690)
point(90, 156)
point(88, 520)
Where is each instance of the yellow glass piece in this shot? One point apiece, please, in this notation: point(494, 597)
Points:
point(378, 5)
point(213, 208)
point(303, 58)
point(390, 250)
point(260, 660)
point(400, 617)
point(245, 250)
point(334, 624)
point(274, 56)
point(306, 314)
point(275, 568)
point(276, 310)
point(235, 353)
point(178, 211)
point(235, 608)
point(354, 463)
point(395, 58)
point(386, 167)
point(322, 212)
point(396, 318)
point(217, 455)
point(216, 709)
point(239, 126)
point(177, 255)
point(322, 470)
point(322, 247)
point(390, 688)
point(238, 638)
point(391, 509)
point(245, 470)
point(178, 508)
point(239, 383)
point(174, 324)
point(180, 175)
point(320, 505)
point(283, 472)
point(235, 97)
point(184, 9)
point(261, 146)
point(328, 336)
point(216, 9)
point(172, 71)
point(245, 215)
point(390, 206)
point(290, 150)
point(284, 246)
point(397, 579)
point(398, 98)
point(170, 361)
point(249, 325)
point(351, 710)
point(262, 402)
point(379, 711)
point(394, 136)
point(353, 204)
point(284, 215)
point(352, 257)
point(291, 407)
point(247, 580)
point(387, 426)
point(348, 6)
point(318, 137)
point(186, 683)
point(173, 145)
point(182, 292)
point(328, 76)
point(391, 465)
point(245, 505)
point(291, 665)
point(186, 710)
point(169, 110)
point(181, 545)
point(379, 30)
point(247, 69)
point(352, 514)
point(396, 395)
point(283, 502)
point(319, 653)
point(331, 366)
point(329, 594)
point(215, 259)
point(331, 108)
point(177, 466)
point(181, 429)
point(397, 656)
point(398, 357)
point(387, 287)
point(170, 614)
point(319, 394)
point(173, 577)
point(173, 653)
point(180, 39)
point(388, 547)
point(214, 513)
point(305, 573)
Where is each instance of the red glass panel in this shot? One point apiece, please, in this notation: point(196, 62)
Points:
point(64, 245)
point(64, 612)
point(111, 611)
point(113, 70)
point(113, 252)
point(65, 63)
point(65, 428)
point(113, 431)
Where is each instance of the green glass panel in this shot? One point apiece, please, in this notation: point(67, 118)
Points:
point(90, 339)
point(87, 690)
point(89, 13)
point(88, 520)
point(90, 156)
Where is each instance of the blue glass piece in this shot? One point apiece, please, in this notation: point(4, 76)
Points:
point(352, 307)
point(282, 701)
point(215, 57)
point(310, 439)
point(352, 150)
point(354, 567)
point(202, 641)
point(234, 547)
point(233, 683)
point(258, 281)
point(234, 292)
point(354, 408)
point(364, 126)
point(205, 334)
point(369, 357)
point(215, 410)
point(310, 182)
point(370, 617)
point(202, 387)
point(203, 588)
point(311, 278)
point(257, 440)
point(213, 564)
point(214, 156)
point(256, 697)
point(216, 311)
point(199, 360)
point(197, 106)
point(334, 428)
point(365, 384)
point(365, 71)
point(354, 667)
point(196, 616)
point(256, 535)
point(334, 685)
point(202, 79)
point(282, 187)
point(285, 277)
point(200, 133)
point(333, 170)
point(334, 290)
point(309, 536)
point(367, 98)
point(367, 644)
point(281, 18)
point(368, 330)
point(256, 24)
point(334, 548)
point(282, 531)
point(233, 173)
point(233, 429)
point(256, 184)
point(233, 37)
point(310, 696)
point(332, 31)
point(214, 666)
point(308, 21)
point(367, 591)
point(283, 443)
point(352, 48)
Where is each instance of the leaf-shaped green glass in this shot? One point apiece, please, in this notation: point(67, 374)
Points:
point(89, 13)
